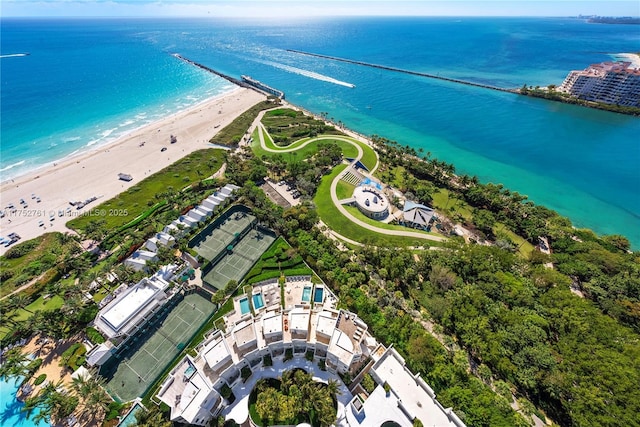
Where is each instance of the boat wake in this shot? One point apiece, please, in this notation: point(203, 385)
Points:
point(14, 55)
point(307, 73)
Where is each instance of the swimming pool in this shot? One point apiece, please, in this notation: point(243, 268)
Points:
point(11, 408)
point(258, 301)
point(306, 294)
point(368, 181)
point(130, 419)
point(318, 295)
point(244, 306)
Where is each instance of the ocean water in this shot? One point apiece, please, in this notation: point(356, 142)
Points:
point(10, 407)
point(85, 82)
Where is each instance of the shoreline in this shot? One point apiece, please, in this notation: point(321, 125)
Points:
point(94, 173)
point(634, 58)
point(89, 150)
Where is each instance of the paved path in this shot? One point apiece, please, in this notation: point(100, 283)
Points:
point(334, 186)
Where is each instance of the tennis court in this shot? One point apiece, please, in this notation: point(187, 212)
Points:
point(222, 232)
point(237, 261)
point(155, 347)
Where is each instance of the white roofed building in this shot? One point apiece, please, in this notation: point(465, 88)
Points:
point(189, 394)
point(608, 82)
point(288, 335)
point(130, 307)
point(138, 260)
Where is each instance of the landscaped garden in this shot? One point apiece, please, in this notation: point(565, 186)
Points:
point(280, 259)
point(293, 399)
point(331, 216)
point(287, 126)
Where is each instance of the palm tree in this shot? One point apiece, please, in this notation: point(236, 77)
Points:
point(151, 417)
point(14, 364)
point(20, 302)
point(333, 388)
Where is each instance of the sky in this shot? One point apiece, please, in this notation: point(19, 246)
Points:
point(292, 8)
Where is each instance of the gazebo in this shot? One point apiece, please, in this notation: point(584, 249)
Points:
point(416, 215)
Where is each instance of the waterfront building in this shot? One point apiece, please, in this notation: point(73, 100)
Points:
point(371, 201)
point(296, 325)
point(416, 215)
point(608, 82)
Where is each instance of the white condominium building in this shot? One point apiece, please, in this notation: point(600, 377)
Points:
point(608, 82)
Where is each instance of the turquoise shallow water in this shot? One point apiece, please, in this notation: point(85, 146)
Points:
point(87, 81)
point(10, 408)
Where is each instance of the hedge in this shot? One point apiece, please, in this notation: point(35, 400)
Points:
point(94, 336)
point(40, 379)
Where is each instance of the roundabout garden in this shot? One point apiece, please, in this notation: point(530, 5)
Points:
point(295, 398)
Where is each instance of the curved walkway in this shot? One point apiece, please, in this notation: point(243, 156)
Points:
point(334, 185)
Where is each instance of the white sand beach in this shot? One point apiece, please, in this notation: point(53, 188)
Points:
point(95, 173)
point(634, 58)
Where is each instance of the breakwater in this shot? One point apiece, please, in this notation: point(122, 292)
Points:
point(211, 70)
point(263, 87)
point(246, 81)
point(400, 70)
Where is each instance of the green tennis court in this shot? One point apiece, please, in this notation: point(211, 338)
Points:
point(156, 346)
point(222, 232)
point(239, 258)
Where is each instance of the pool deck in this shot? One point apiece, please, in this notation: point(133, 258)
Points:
point(293, 293)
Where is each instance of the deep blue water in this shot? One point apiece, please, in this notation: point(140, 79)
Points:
point(88, 81)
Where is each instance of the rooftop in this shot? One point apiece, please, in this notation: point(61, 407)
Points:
point(370, 198)
point(413, 393)
point(129, 305)
point(216, 353)
point(244, 334)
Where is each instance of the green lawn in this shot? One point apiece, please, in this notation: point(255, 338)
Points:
point(128, 205)
point(444, 202)
point(356, 213)
point(32, 258)
point(524, 247)
point(233, 132)
point(288, 125)
point(369, 157)
point(40, 304)
point(344, 190)
point(331, 216)
point(276, 261)
point(348, 150)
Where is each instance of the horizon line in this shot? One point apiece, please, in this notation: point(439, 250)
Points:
point(317, 16)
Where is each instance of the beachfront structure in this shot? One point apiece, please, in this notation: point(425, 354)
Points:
point(608, 82)
point(138, 260)
point(131, 305)
point(197, 215)
point(371, 201)
point(416, 215)
point(190, 393)
point(289, 329)
point(160, 239)
point(128, 310)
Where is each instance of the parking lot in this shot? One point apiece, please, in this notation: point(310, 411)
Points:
point(284, 190)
